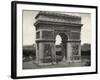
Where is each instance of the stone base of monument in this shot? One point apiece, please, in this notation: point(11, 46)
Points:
point(44, 62)
point(75, 61)
point(48, 63)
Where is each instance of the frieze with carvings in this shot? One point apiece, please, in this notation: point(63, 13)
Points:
point(47, 34)
point(75, 36)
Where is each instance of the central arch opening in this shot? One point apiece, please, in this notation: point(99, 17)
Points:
point(61, 46)
point(58, 40)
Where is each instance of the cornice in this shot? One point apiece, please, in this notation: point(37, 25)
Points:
point(57, 23)
point(57, 14)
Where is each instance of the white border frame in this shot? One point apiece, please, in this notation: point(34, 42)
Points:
point(35, 72)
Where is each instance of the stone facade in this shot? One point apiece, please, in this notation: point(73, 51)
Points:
point(48, 25)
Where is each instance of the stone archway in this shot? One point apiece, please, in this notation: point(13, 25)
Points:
point(48, 25)
point(62, 46)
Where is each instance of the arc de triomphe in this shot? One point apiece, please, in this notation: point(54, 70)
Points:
point(50, 24)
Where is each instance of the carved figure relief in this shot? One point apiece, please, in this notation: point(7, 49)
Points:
point(75, 49)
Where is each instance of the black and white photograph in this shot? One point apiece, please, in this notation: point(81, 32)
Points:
point(53, 39)
point(56, 39)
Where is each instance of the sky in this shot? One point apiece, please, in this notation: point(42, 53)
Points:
point(29, 32)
